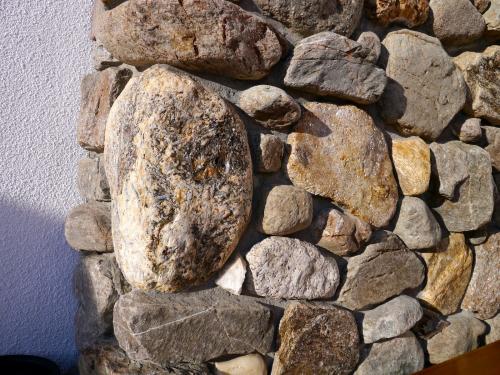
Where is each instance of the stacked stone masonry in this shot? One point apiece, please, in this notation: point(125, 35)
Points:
point(288, 187)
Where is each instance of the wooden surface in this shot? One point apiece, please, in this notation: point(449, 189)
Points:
point(483, 361)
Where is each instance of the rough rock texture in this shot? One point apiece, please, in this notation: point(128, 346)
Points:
point(88, 227)
point(316, 339)
point(101, 58)
point(340, 233)
point(251, 364)
point(391, 319)
point(456, 22)
point(416, 225)
point(370, 40)
point(424, 91)
point(482, 295)
point(232, 276)
point(412, 162)
point(311, 17)
point(458, 338)
point(481, 5)
point(480, 71)
point(163, 328)
point(285, 209)
point(468, 130)
point(328, 64)
point(449, 269)
point(180, 173)
point(402, 355)
point(99, 91)
point(267, 151)
point(216, 37)
point(385, 269)
point(474, 198)
point(270, 106)
point(492, 18)
point(492, 135)
point(281, 267)
point(494, 329)
point(337, 152)
point(410, 13)
point(108, 359)
point(91, 181)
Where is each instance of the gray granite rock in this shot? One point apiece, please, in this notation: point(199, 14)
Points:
point(391, 319)
point(370, 40)
point(328, 64)
point(267, 152)
point(468, 130)
point(91, 179)
point(191, 327)
point(493, 334)
point(280, 267)
point(416, 224)
point(492, 135)
point(425, 90)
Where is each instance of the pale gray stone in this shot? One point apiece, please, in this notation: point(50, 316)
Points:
point(232, 276)
point(468, 130)
point(449, 167)
point(492, 135)
point(268, 151)
point(493, 334)
point(370, 40)
point(91, 179)
point(251, 364)
point(280, 267)
point(101, 58)
point(492, 18)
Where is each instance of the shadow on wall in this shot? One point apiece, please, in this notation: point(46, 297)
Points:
point(37, 305)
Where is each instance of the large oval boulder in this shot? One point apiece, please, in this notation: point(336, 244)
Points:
point(180, 174)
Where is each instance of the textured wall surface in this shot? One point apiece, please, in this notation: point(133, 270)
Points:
point(44, 53)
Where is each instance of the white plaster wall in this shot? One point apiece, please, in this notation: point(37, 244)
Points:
point(44, 52)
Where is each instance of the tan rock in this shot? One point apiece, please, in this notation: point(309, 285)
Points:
point(251, 364)
point(337, 152)
point(267, 151)
point(492, 18)
point(449, 269)
point(410, 13)
point(412, 161)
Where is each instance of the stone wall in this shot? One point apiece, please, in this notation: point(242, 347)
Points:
point(288, 187)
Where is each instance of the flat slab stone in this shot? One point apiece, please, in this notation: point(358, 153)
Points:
point(409, 13)
point(216, 37)
point(425, 90)
point(191, 327)
point(180, 174)
point(91, 179)
point(337, 152)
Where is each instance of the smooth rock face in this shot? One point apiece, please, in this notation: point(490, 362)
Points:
point(391, 319)
point(98, 93)
point(285, 209)
point(267, 151)
point(88, 227)
point(270, 106)
point(316, 339)
point(424, 91)
point(180, 173)
point(281, 267)
point(494, 332)
point(91, 181)
point(492, 18)
point(371, 41)
point(385, 269)
point(416, 225)
point(216, 37)
point(456, 22)
point(163, 328)
point(311, 17)
point(412, 162)
point(449, 167)
point(482, 295)
point(410, 13)
point(474, 198)
point(340, 233)
point(252, 364)
point(328, 64)
point(467, 130)
point(449, 269)
point(338, 153)
point(480, 71)
point(458, 338)
point(232, 276)
point(402, 355)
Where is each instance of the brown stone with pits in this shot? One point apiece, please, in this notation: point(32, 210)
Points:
point(410, 13)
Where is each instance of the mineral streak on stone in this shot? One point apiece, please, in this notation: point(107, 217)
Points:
point(425, 90)
point(482, 296)
point(449, 269)
point(88, 227)
point(385, 269)
point(99, 91)
point(316, 339)
point(191, 327)
point(328, 64)
point(410, 13)
point(91, 181)
point(180, 173)
point(281, 267)
point(480, 71)
point(251, 364)
point(232, 275)
point(338, 153)
point(311, 17)
point(473, 205)
point(412, 162)
point(199, 35)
